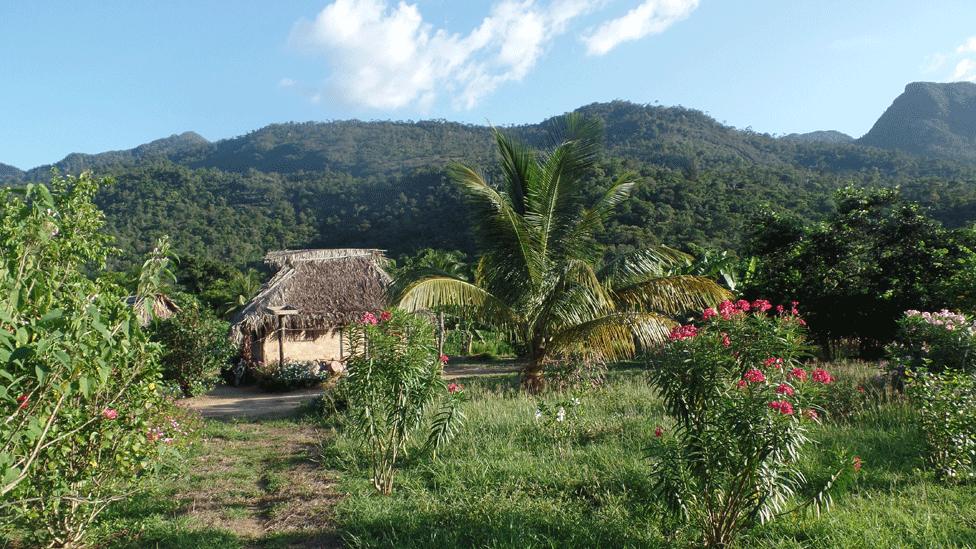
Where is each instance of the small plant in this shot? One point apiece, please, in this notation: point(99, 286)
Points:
point(947, 409)
point(739, 399)
point(291, 375)
point(395, 390)
point(558, 416)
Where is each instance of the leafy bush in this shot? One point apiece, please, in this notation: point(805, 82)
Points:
point(395, 388)
point(947, 407)
point(291, 375)
point(195, 347)
point(79, 380)
point(934, 342)
point(740, 400)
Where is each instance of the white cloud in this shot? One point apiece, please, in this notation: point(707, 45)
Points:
point(387, 57)
point(965, 71)
point(650, 17)
point(969, 46)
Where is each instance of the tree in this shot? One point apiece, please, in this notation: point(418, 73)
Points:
point(537, 276)
point(856, 273)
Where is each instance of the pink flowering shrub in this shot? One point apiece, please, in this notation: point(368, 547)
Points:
point(934, 341)
point(395, 391)
point(741, 402)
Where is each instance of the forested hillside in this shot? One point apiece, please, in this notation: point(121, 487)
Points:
point(383, 184)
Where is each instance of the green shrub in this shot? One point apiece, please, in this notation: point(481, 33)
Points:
point(395, 389)
point(934, 341)
point(79, 379)
point(291, 375)
point(740, 401)
point(195, 347)
point(947, 407)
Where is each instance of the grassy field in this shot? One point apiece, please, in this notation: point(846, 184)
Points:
point(508, 481)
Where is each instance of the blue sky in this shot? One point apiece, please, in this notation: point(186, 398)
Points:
point(96, 76)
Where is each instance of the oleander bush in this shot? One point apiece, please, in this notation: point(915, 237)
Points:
point(396, 393)
point(739, 403)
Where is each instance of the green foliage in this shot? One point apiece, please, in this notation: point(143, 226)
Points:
point(195, 348)
point(78, 377)
point(395, 389)
point(855, 274)
point(938, 341)
point(537, 277)
point(741, 405)
point(947, 417)
point(290, 376)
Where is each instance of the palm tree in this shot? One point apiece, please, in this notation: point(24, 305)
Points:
point(241, 287)
point(537, 276)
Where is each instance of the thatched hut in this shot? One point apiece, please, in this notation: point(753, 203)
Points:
point(300, 314)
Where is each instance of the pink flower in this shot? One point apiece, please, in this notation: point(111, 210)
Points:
point(780, 309)
point(709, 314)
point(455, 388)
point(743, 305)
point(820, 375)
point(109, 413)
point(369, 318)
point(798, 374)
point(683, 332)
point(385, 316)
point(443, 358)
point(22, 402)
point(754, 376)
point(784, 389)
point(774, 362)
point(782, 406)
point(860, 389)
point(741, 384)
point(726, 309)
point(658, 431)
point(762, 305)
point(726, 341)
point(811, 414)
point(857, 463)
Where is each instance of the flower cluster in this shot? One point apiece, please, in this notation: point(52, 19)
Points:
point(782, 406)
point(443, 358)
point(683, 332)
point(455, 388)
point(110, 413)
point(166, 433)
point(819, 375)
point(946, 319)
point(728, 309)
point(754, 376)
point(774, 362)
point(370, 318)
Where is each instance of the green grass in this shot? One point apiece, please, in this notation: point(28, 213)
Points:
point(506, 482)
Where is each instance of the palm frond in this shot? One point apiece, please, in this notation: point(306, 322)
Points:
point(641, 264)
point(440, 291)
point(615, 336)
point(582, 232)
point(672, 295)
point(502, 229)
point(577, 296)
point(518, 165)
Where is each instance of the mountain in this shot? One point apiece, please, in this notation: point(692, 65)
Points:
point(929, 119)
point(385, 184)
point(823, 136)
point(8, 172)
point(185, 144)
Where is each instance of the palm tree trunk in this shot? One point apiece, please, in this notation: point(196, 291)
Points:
point(532, 379)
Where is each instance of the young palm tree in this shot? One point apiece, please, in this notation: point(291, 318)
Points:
point(537, 276)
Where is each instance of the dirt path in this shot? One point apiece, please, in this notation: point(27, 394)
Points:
point(248, 402)
point(259, 482)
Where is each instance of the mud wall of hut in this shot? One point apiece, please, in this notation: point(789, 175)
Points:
point(305, 346)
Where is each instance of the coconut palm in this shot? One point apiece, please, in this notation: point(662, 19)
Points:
point(537, 276)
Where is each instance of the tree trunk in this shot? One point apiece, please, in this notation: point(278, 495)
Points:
point(532, 380)
point(440, 333)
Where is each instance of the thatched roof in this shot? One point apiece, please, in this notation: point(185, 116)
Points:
point(329, 288)
point(162, 308)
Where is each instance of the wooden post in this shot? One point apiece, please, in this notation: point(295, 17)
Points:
point(440, 333)
point(281, 341)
